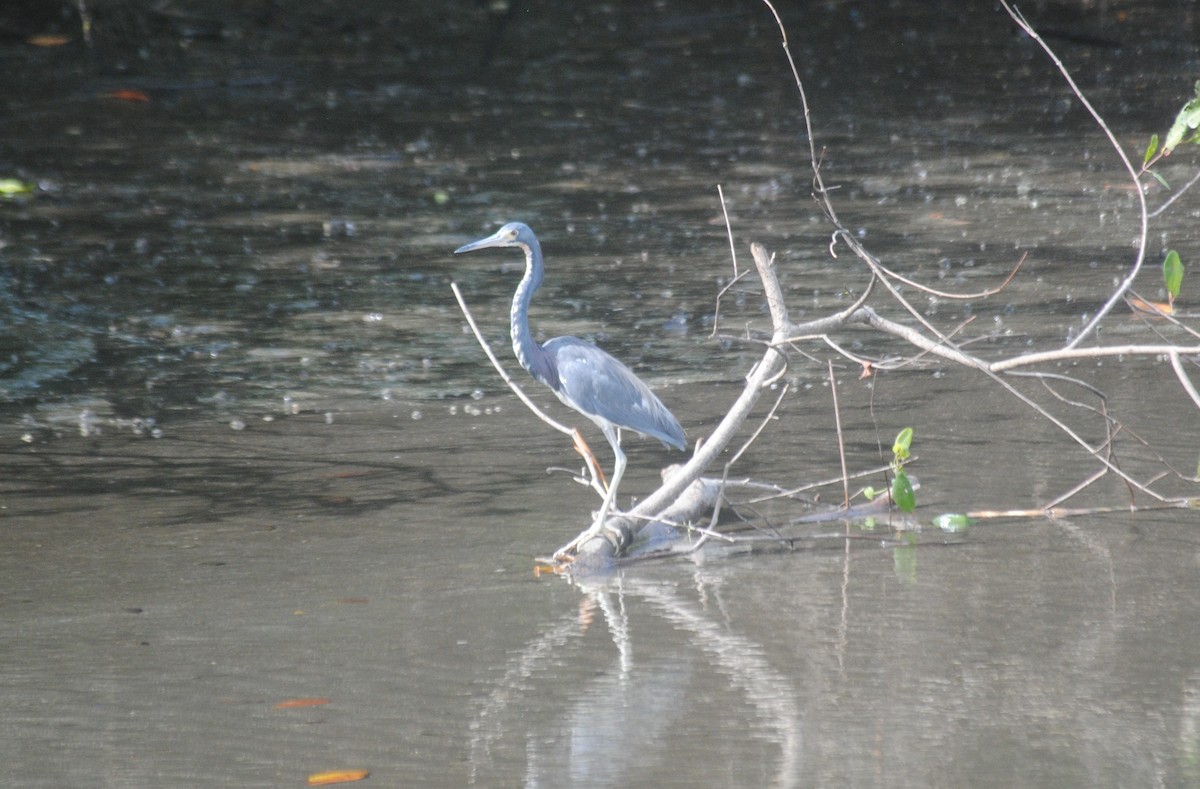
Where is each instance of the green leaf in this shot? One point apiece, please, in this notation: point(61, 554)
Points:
point(869, 493)
point(902, 443)
point(1185, 125)
point(1161, 180)
point(11, 187)
point(1173, 273)
point(952, 522)
point(902, 492)
point(1151, 149)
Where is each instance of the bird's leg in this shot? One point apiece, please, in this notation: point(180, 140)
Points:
point(613, 434)
point(618, 472)
point(589, 457)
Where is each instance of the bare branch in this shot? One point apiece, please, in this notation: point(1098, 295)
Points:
point(1178, 194)
point(1126, 283)
point(837, 421)
point(1184, 380)
point(1064, 354)
point(733, 257)
point(462, 304)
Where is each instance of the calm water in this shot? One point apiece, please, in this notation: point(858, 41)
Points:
point(250, 455)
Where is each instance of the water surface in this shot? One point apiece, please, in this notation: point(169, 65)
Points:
point(251, 455)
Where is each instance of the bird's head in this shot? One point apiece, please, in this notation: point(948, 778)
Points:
point(514, 234)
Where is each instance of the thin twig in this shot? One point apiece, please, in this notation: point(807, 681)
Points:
point(983, 294)
point(1065, 354)
point(791, 492)
point(1182, 190)
point(728, 231)
point(1069, 512)
point(837, 421)
point(1184, 380)
point(766, 420)
point(462, 304)
point(581, 446)
point(1125, 284)
point(733, 257)
point(767, 369)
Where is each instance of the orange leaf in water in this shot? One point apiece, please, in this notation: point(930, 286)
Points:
point(336, 777)
point(1152, 307)
point(47, 40)
point(128, 94)
point(350, 474)
point(294, 703)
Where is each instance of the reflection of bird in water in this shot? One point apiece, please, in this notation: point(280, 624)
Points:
point(583, 376)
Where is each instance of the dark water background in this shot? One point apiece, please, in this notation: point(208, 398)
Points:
point(250, 455)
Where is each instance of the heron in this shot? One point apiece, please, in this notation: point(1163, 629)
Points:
point(583, 377)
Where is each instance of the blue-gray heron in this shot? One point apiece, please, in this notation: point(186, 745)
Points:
point(583, 376)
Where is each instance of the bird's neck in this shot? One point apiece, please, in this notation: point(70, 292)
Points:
point(530, 355)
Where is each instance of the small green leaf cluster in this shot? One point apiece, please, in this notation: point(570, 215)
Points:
point(1185, 129)
point(1186, 125)
point(11, 188)
point(902, 489)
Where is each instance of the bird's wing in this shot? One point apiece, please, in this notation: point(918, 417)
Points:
point(599, 386)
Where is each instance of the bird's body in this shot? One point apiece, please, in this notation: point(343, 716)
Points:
point(619, 398)
point(583, 377)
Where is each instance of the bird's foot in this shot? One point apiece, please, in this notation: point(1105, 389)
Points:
point(597, 529)
point(571, 548)
point(551, 565)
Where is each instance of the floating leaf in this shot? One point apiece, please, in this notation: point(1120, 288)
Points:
point(1173, 273)
point(1151, 307)
point(1151, 149)
point(47, 40)
point(11, 187)
point(129, 94)
point(955, 522)
point(902, 492)
point(336, 777)
point(295, 703)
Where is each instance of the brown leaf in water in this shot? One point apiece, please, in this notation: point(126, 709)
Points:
point(291, 704)
point(336, 777)
point(48, 40)
point(350, 474)
point(129, 94)
point(1152, 307)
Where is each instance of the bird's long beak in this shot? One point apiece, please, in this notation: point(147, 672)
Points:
point(497, 239)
